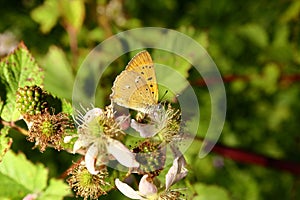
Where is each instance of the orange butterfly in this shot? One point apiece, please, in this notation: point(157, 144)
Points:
point(136, 87)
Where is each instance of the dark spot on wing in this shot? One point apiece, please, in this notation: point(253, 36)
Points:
point(137, 79)
point(151, 85)
point(150, 78)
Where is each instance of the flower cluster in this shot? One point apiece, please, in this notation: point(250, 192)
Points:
point(98, 134)
point(101, 137)
point(147, 188)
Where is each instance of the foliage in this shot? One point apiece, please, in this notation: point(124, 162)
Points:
point(17, 182)
point(255, 45)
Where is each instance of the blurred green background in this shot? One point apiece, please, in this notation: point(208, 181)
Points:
point(255, 44)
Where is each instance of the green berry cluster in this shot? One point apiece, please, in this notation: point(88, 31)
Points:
point(31, 100)
point(150, 156)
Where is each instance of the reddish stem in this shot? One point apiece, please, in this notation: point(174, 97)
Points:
point(257, 159)
point(284, 79)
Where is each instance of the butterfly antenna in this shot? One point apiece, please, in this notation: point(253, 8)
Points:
point(163, 95)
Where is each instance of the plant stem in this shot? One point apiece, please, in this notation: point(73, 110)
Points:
point(14, 126)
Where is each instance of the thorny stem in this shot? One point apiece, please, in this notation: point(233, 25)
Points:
point(248, 157)
point(14, 126)
point(284, 79)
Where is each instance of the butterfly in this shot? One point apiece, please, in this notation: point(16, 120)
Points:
point(136, 87)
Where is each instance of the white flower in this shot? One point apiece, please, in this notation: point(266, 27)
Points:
point(100, 147)
point(176, 172)
point(148, 190)
point(158, 120)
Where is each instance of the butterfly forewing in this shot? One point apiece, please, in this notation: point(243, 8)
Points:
point(142, 63)
point(136, 87)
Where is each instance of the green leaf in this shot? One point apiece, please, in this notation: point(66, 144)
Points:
point(271, 73)
point(282, 34)
point(46, 15)
point(176, 69)
point(9, 189)
point(67, 107)
point(243, 185)
point(206, 192)
point(5, 142)
point(73, 12)
point(268, 80)
point(19, 177)
point(57, 189)
point(255, 33)
point(58, 76)
point(292, 12)
point(18, 69)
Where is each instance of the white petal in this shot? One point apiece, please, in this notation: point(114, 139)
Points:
point(145, 130)
point(158, 114)
point(121, 153)
point(182, 171)
point(171, 175)
point(90, 158)
point(146, 188)
point(92, 114)
point(127, 190)
point(77, 145)
point(158, 121)
point(123, 121)
point(176, 172)
point(68, 138)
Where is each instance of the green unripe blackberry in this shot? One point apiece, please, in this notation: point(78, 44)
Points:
point(150, 156)
point(31, 100)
